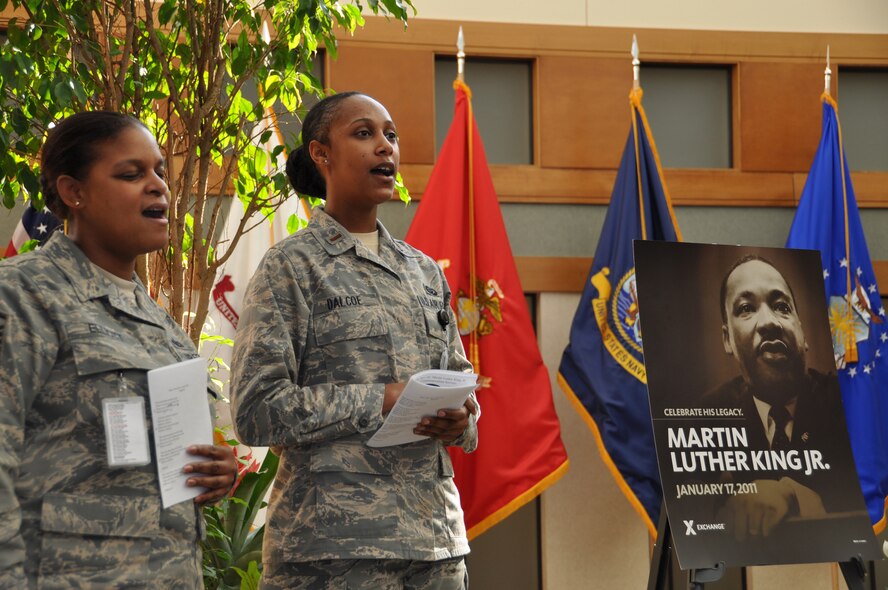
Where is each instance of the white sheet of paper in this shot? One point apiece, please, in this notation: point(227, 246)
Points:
point(180, 414)
point(425, 394)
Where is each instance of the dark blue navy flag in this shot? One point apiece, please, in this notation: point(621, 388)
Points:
point(827, 220)
point(32, 231)
point(602, 369)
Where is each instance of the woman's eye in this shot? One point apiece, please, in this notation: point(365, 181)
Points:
point(392, 136)
point(363, 133)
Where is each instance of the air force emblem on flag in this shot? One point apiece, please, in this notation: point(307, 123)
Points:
point(850, 319)
point(620, 325)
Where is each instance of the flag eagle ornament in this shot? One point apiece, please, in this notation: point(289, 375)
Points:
point(459, 224)
point(827, 220)
point(602, 369)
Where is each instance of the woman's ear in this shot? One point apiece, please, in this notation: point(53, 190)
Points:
point(68, 189)
point(318, 152)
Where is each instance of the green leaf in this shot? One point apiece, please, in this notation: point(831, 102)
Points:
point(28, 246)
point(63, 92)
point(79, 92)
point(295, 223)
point(188, 234)
point(403, 193)
point(166, 12)
point(8, 200)
point(30, 181)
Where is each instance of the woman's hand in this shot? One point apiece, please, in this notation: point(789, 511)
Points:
point(448, 425)
point(392, 393)
point(217, 475)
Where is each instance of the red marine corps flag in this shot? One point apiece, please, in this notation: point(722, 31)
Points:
point(459, 224)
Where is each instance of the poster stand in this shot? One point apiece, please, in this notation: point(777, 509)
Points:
point(853, 570)
point(658, 578)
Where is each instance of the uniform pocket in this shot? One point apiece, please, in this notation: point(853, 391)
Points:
point(107, 516)
point(437, 338)
point(356, 493)
point(355, 344)
point(94, 533)
point(97, 349)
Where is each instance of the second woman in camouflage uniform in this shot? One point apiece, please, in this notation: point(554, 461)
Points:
point(77, 328)
point(338, 317)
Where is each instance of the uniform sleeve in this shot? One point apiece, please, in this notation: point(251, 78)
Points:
point(457, 361)
point(268, 406)
point(28, 343)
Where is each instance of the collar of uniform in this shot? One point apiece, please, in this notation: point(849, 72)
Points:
point(336, 239)
point(400, 247)
point(89, 284)
point(86, 281)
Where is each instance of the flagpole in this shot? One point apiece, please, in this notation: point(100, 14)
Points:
point(474, 355)
point(635, 95)
point(636, 64)
point(460, 56)
point(850, 339)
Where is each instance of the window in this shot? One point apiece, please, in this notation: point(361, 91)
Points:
point(689, 111)
point(863, 111)
point(501, 100)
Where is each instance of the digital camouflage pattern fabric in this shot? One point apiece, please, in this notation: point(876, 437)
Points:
point(368, 574)
point(68, 340)
point(327, 324)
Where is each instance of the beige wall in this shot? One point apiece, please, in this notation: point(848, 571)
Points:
point(590, 535)
point(814, 16)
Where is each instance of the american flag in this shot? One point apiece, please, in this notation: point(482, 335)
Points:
point(34, 225)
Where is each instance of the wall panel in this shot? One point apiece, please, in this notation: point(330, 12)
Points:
point(579, 100)
point(779, 115)
point(401, 79)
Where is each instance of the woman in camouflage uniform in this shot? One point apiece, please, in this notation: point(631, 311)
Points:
point(338, 317)
point(76, 328)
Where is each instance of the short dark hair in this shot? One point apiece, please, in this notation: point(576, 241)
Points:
point(301, 170)
point(739, 262)
point(70, 149)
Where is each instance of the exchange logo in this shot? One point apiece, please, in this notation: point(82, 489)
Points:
point(691, 528)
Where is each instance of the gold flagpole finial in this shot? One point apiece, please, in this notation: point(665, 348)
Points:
point(636, 65)
point(460, 56)
point(827, 73)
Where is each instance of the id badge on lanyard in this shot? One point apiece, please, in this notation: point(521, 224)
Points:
point(126, 435)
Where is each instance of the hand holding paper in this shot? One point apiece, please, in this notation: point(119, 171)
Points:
point(425, 395)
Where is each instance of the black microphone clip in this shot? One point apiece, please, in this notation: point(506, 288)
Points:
point(443, 318)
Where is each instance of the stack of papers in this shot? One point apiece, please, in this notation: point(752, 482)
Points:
point(425, 394)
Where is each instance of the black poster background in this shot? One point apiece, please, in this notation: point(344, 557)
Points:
point(679, 301)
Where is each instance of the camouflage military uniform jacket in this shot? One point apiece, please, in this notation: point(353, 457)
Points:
point(327, 324)
point(67, 520)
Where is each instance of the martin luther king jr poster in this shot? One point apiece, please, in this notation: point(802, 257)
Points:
point(747, 414)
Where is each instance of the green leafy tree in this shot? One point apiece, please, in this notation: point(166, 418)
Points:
point(181, 66)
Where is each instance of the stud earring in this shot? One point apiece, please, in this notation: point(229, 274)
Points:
point(77, 203)
point(326, 162)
